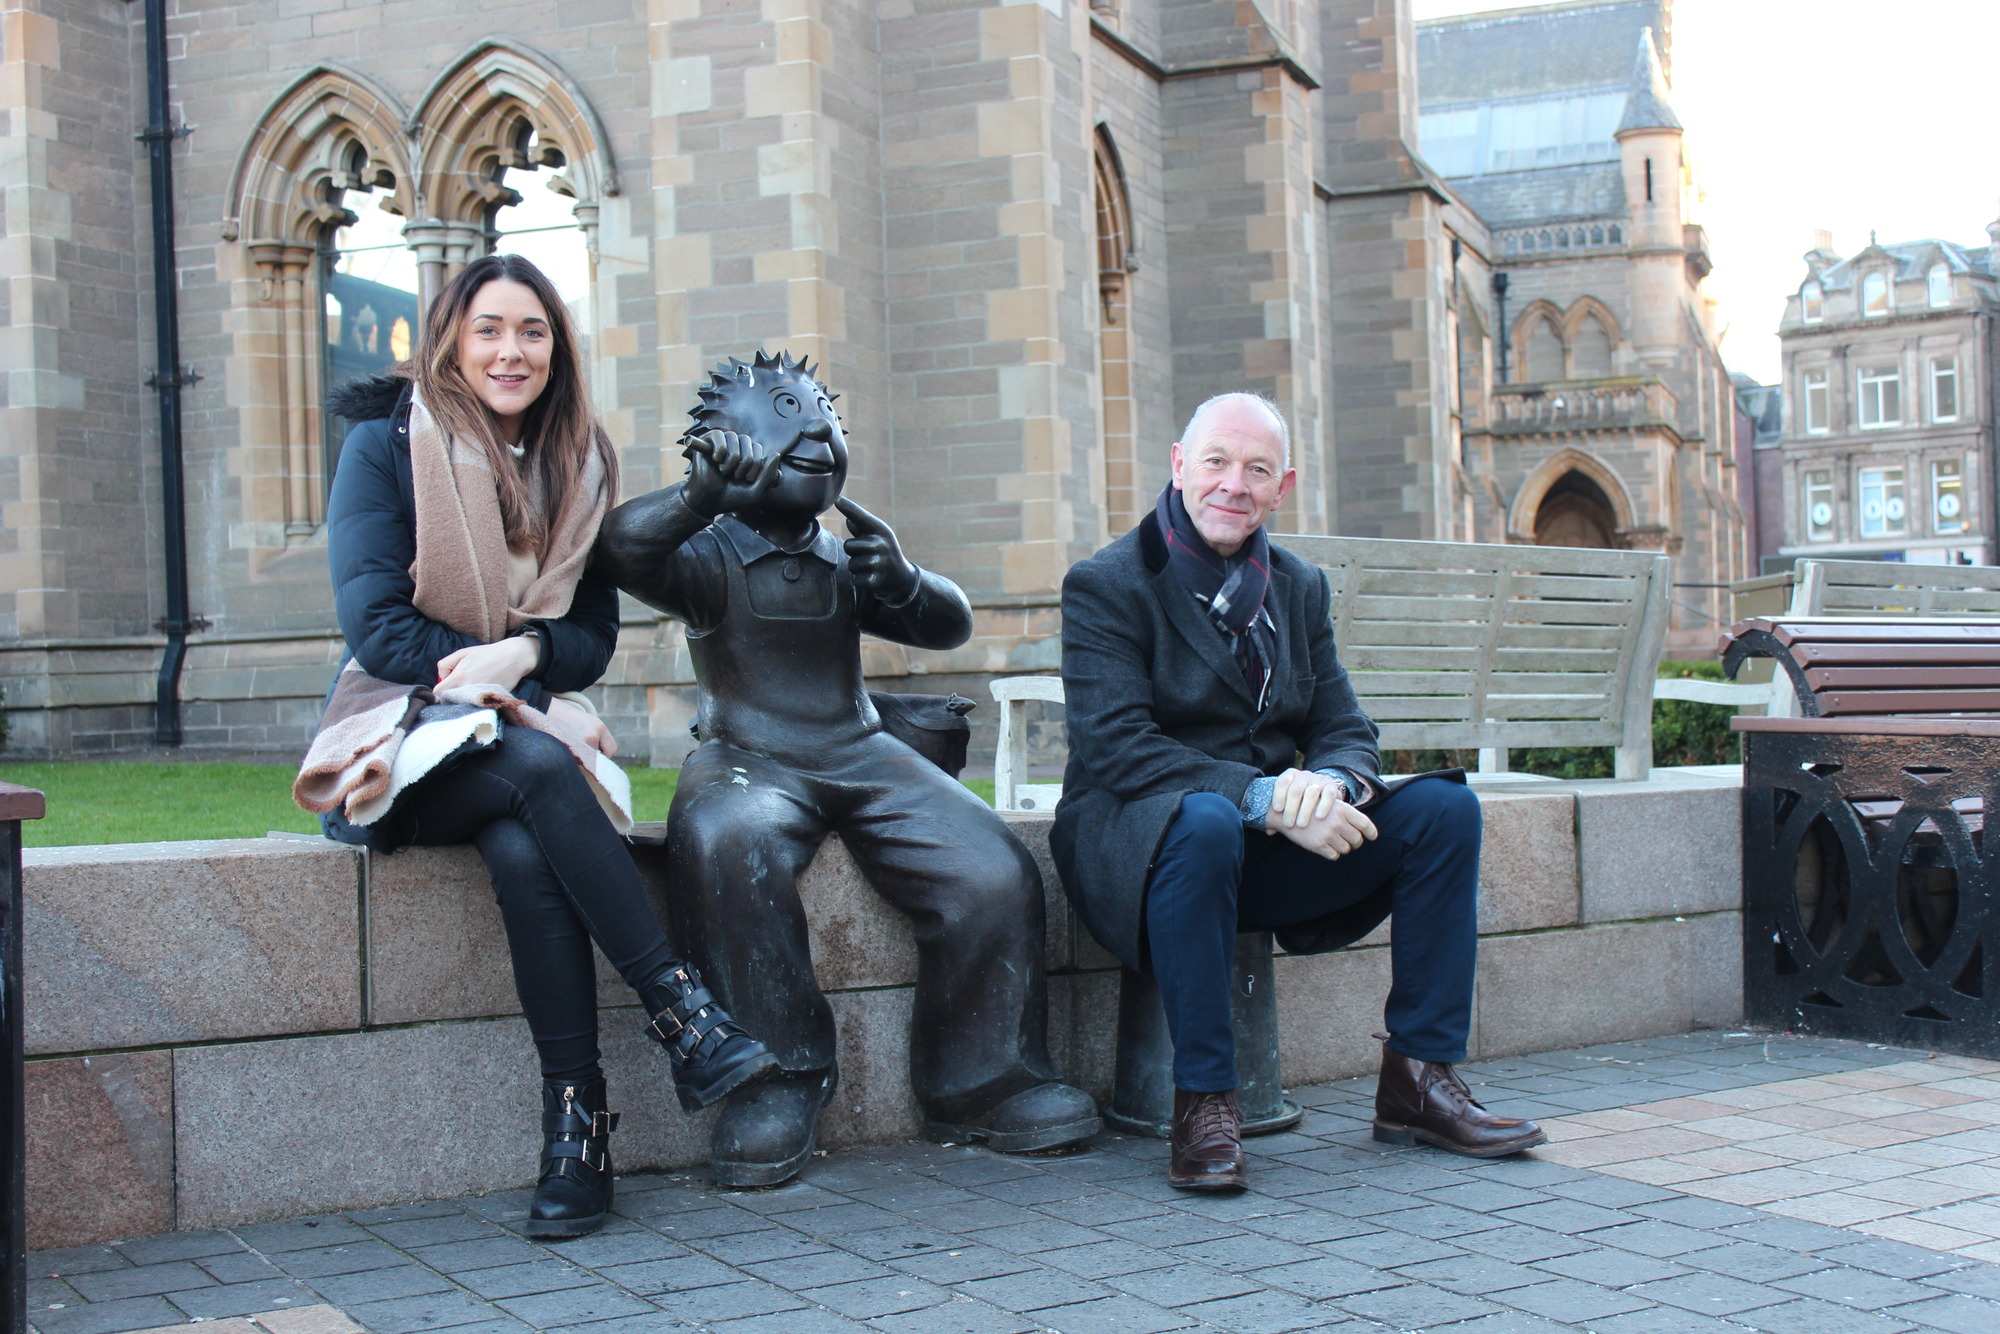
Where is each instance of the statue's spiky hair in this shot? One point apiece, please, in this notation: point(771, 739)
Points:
point(737, 376)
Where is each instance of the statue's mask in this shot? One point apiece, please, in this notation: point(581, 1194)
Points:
point(777, 402)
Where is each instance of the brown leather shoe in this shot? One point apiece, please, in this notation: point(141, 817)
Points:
point(1207, 1144)
point(1427, 1101)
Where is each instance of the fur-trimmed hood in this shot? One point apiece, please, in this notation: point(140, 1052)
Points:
point(368, 399)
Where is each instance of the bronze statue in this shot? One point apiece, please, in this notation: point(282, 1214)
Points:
point(792, 749)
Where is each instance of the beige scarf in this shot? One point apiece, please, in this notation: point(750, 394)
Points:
point(460, 572)
point(461, 564)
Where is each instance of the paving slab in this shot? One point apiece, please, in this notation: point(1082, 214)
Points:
point(1336, 1233)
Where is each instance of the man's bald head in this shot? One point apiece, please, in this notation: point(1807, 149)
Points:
point(1240, 409)
point(1233, 466)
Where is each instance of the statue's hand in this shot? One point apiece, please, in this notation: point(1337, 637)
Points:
point(878, 562)
point(727, 472)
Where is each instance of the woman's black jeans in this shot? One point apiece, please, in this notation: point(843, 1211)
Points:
point(563, 878)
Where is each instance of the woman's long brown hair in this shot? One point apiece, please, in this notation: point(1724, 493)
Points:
point(560, 430)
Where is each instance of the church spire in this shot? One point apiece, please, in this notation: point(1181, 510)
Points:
point(1647, 106)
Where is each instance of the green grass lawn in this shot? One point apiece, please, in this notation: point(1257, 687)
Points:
point(110, 802)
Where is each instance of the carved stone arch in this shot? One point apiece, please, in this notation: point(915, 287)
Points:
point(475, 121)
point(1533, 318)
point(1591, 355)
point(331, 130)
point(1528, 500)
point(1117, 259)
point(1585, 307)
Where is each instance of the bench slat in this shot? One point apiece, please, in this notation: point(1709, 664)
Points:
point(1836, 703)
point(1917, 674)
point(1835, 655)
point(1460, 735)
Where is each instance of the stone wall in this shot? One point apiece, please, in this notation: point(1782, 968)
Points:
point(257, 1028)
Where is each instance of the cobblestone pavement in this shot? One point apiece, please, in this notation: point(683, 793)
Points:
point(1338, 1232)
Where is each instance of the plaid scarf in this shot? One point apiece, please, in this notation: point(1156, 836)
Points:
point(1230, 588)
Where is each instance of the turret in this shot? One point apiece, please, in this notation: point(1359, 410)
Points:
point(1649, 141)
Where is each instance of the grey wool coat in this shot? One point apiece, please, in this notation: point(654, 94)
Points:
point(1158, 708)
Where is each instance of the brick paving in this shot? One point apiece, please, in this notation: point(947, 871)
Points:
point(1909, 1151)
point(1338, 1232)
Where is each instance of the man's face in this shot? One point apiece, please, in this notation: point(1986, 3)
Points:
point(790, 416)
point(1233, 476)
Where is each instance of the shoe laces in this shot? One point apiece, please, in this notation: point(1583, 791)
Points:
point(1211, 1115)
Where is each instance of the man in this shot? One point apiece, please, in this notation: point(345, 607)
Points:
point(1199, 669)
point(792, 749)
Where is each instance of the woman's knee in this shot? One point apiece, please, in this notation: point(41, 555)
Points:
point(535, 761)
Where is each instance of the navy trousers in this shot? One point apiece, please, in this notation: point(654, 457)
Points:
point(1215, 877)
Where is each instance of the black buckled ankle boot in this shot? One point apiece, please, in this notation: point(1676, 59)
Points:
point(710, 1052)
point(574, 1193)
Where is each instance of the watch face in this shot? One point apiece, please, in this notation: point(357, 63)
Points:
point(1948, 505)
point(1895, 509)
point(1822, 515)
point(1872, 510)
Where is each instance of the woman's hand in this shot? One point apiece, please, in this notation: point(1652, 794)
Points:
point(500, 664)
point(582, 720)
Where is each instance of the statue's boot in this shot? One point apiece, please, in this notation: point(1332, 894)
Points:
point(767, 1131)
point(1046, 1116)
point(710, 1053)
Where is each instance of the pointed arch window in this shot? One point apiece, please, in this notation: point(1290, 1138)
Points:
point(540, 224)
point(368, 300)
point(1117, 260)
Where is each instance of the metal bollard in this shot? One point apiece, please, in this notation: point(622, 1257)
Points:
point(16, 804)
point(1142, 1095)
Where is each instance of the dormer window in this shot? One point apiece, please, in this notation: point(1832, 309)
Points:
point(1875, 294)
point(1940, 286)
point(1812, 303)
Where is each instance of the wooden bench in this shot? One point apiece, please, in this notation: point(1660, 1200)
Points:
point(1893, 588)
point(1846, 666)
point(1460, 645)
point(1868, 904)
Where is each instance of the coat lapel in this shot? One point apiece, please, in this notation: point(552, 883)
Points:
point(1200, 633)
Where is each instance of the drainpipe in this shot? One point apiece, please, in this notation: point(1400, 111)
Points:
point(1500, 320)
point(168, 379)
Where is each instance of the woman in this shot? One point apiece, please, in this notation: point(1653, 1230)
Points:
point(459, 526)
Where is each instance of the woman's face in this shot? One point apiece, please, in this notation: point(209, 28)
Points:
point(504, 347)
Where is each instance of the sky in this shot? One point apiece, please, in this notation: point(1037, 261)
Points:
point(1808, 114)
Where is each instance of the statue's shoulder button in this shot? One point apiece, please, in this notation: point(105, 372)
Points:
point(791, 571)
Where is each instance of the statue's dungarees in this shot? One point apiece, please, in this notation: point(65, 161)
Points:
point(791, 750)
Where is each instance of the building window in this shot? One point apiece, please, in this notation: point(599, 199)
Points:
point(1819, 506)
point(540, 224)
point(1875, 294)
point(1940, 286)
point(368, 277)
point(1879, 397)
point(1815, 402)
point(1881, 495)
point(1944, 389)
point(1812, 303)
point(1948, 497)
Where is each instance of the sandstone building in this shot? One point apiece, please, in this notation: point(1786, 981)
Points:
point(1023, 240)
point(1887, 450)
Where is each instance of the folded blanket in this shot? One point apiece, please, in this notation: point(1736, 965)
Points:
point(375, 740)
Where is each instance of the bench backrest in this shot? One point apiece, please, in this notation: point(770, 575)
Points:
point(1462, 645)
point(1854, 666)
point(1893, 588)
